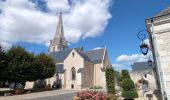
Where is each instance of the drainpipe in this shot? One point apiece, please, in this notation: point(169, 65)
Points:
point(158, 64)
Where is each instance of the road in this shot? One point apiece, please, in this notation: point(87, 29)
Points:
point(48, 95)
point(68, 96)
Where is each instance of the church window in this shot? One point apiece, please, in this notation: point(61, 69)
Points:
point(73, 54)
point(53, 49)
point(145, 75)
point(73, 73)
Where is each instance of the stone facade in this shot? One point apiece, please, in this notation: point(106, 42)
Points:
point(141, 70)
point(160, 37)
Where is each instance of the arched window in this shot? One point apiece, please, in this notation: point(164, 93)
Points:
point(73, 73)
point(53, 49)
point(73, 54)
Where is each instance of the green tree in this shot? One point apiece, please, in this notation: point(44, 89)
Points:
point(125, 74)
point(20, 65)
point(128, 84)
point(129, 95)
point(129, 91)
point(3, 65)
point(45, 66)
point(110, 80)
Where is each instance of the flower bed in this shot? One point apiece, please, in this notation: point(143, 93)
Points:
point(94, 95)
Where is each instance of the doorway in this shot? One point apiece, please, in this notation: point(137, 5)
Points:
point(72, 86)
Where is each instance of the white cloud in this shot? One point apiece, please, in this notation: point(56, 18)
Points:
point(57, 5)
point(119, 67)
point(132, 58)
point(22, 21)
point(97, 48)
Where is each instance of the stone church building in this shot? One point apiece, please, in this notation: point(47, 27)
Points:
point(75, 67)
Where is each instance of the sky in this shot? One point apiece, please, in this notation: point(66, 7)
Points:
point(89, 23)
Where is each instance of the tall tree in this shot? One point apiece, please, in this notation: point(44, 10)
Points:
point(20, 64)
point(3, 65)
point(110, 80)
point(45, 66)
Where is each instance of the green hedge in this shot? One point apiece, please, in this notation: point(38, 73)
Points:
point(129, 91)
point(125, 74)
point(129, 94)
point(110, 80)
point(96, 87)
point(127, 84)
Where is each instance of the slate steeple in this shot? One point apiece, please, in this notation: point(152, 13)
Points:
point(59, 42)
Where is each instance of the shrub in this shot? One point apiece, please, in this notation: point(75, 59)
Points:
point(128, 84)
point(111, 97)
point(125, 74)
point(19, 90)
point(129, 94)
point(129, 91)
point(48, 87)
point(96, 87)
point(110, 80)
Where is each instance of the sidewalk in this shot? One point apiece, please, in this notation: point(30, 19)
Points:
point(37, 95)
point(4, 89)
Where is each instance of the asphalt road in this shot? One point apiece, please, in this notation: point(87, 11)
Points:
point(47, 95)
point(56, 97)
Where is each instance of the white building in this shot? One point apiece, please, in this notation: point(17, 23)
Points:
point(159, 31)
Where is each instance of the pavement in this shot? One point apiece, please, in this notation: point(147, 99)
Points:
point(47, 95)
point(4, 89)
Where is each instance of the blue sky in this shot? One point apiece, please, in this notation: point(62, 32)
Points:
point(119, 35)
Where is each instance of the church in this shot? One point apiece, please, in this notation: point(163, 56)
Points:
point(76, 68)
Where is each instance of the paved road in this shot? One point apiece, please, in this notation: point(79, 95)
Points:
point(56, 97)
point(48, 95)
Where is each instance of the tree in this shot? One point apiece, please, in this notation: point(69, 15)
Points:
point(110, 80)
point(45, 66)
point(3, 65)
point(128, 84)
point(125, 74)
point(129, 91)
point(20, 65)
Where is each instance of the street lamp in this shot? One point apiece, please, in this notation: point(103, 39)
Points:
point(142, 35)
point(143, 46)
point(150, 62)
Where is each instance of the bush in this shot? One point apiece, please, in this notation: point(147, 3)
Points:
point(48, 87)
point(129, 94)
point(110, 80)
point(127, 84)
point(125, 74)
point(96, 87)
point(111, 97)
point(129, 91)
point(19, 90)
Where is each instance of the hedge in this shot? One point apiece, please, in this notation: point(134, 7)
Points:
point(110, 80)
point(129, 94)
point(127, 84)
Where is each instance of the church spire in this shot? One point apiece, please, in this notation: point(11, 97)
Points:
point(59, 43)
point(60, 31)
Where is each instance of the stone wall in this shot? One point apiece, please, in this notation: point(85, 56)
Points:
point(162, 40)
point(78, 63)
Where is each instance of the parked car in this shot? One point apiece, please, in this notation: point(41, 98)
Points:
point(15, 85)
